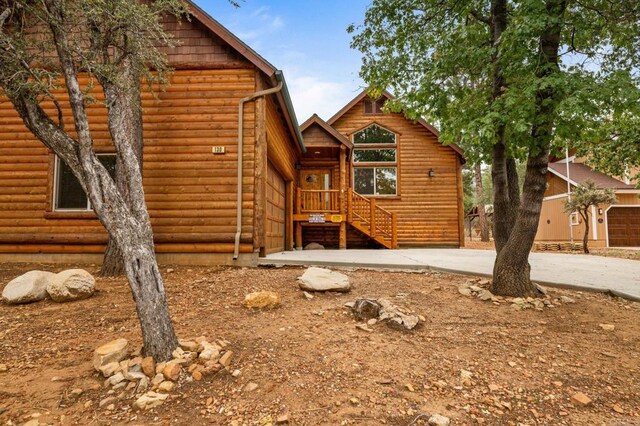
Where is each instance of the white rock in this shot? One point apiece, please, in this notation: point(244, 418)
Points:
point(314, 246)
point(27, 288)
point(321, 279)
point(114, 351)
point(150, 400)
point(438, 420)
point(70, 285)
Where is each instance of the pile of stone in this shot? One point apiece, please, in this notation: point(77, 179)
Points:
point(475, 288)
point(374, 311)
point(152, 382)
point(34, 286)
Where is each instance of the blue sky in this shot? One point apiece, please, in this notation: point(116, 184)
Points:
point(307, 39)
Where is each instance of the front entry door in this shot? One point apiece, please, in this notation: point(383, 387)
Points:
point(316, 181)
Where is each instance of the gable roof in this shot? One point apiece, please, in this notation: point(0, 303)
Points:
point(275, 75)
point(389, 96)
point(315, 119)
point(580, 173)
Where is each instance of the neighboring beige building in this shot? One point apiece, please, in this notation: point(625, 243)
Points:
point(611, 225)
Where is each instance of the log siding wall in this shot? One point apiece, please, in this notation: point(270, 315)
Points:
point(190, 192)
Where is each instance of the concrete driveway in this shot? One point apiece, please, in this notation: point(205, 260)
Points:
point(592, 273)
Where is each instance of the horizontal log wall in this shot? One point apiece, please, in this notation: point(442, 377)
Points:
point(190, 192)
point(428, 208)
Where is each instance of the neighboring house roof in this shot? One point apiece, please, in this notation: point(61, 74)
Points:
point(315, 119)
point(580, 173)
point(389, 96)
point(275, 75)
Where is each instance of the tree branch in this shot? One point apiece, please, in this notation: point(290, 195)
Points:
point(479, 17)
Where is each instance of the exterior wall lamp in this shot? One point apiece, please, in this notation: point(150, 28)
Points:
point(600, 211)
point(432, 173)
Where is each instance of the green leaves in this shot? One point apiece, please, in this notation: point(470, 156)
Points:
point(436, 57)
point(587, 195)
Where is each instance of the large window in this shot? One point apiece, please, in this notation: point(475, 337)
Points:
point(375, 161)
point(67, 191)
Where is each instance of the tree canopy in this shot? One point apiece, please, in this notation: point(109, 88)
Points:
point(436, 57)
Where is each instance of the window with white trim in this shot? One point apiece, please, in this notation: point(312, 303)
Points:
point(375, 161)
point(68, 194)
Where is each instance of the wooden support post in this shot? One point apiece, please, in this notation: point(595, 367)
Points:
point(394, 230)
point(372, 218)
point(299, 235)
point(342, 199)
point(350, 205)
point(298, 200)
point(260, 177)
point(289, 238)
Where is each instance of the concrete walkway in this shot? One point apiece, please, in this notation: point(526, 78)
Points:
point(620, 277)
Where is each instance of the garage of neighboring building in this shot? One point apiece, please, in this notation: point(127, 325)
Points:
point(275, 213)
point(624, 226)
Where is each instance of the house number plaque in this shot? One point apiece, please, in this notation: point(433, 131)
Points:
point(316, 218)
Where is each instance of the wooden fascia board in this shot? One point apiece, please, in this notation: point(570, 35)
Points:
point(315, 119)
point(226, 35)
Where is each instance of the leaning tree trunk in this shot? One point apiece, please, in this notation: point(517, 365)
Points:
point(512, 272)
point(113, 262)
point(126, 221)
point(482, 217)
point(585, 238)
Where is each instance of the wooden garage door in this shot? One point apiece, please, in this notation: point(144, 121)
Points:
point(275, 220)
point(624, 226)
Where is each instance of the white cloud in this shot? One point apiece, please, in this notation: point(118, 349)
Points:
point(312, 94)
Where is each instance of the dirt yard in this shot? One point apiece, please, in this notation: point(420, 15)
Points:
point(309, 360)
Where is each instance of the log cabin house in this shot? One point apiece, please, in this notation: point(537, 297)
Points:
point(377, 179)
point(616, 225)
point(365, 178)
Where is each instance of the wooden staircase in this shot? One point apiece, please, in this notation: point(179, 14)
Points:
point(372, 220)
point(362, 213)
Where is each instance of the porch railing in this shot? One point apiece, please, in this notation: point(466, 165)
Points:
point(318, 201)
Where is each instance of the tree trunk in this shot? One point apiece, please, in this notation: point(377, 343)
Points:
point(502, 164)
point(482, 217)
point(129, 99)
point(112, 263)
point(126, 220)
point(585, 238)
point(511, 272)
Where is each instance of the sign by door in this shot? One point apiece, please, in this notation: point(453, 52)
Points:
point(336, 218)
point(316, 218)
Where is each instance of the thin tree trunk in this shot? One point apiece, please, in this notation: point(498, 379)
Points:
point(502, 165)
point(130, 100)
point(512, 272)
point(482, 217)
point(585, 238)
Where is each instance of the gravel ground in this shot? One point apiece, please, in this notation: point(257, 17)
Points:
point(472, 361)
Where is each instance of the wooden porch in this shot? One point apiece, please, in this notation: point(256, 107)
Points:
point(342, 207)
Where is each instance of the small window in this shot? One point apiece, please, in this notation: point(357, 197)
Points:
point(575, 219)
point(68, 193)
point(372, 107)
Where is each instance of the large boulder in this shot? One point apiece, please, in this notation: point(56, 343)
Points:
point(321, 279)
point(70, 285)
point(27, 288)
point(114, 351)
